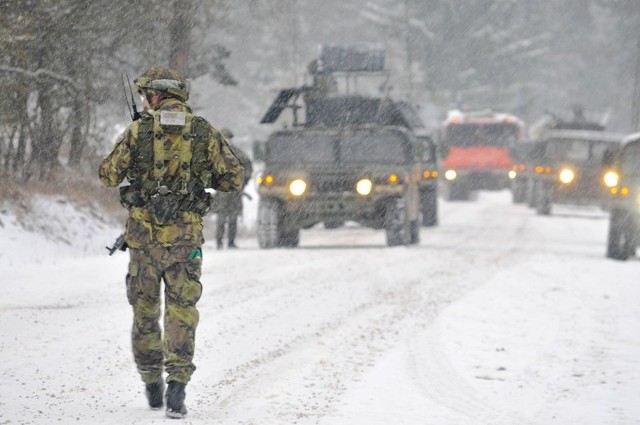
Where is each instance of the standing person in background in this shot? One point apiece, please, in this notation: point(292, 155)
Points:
point(229, 204)
point(169, 157)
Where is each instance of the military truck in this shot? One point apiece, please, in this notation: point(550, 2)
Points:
point(519, 174)
point(529, 151)
point(569, 168)
point(430, 172)
point(624, 218)
point(348, 157)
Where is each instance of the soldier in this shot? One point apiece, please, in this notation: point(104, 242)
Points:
point(229, 205)
point(169, 156)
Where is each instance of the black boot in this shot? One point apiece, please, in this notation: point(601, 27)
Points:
point(232, 244)
point(155, 394)
point(175, 400)
point(219, 243)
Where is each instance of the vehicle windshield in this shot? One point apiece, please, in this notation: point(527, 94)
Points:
point(374, 148)
point(427, 150)
point(630, 159)
point(577, 150)
point(498, 134)
point(301, 148)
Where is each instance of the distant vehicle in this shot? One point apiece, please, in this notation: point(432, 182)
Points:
point(525, 151)
point(475, 149)
point(624, 182)
point(348, 158)
point(569, 168)
point(430, 172)
point(522, 154)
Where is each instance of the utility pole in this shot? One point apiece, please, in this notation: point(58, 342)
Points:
point(180, 27)
point(635, 102)
point(407, 34)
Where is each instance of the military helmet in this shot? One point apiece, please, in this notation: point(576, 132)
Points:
point(228, 134)
point(162, 79)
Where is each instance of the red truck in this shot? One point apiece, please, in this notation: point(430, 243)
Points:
point(475, 149)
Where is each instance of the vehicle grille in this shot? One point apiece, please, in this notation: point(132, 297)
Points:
point(333, 183)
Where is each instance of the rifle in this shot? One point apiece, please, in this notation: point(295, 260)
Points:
point(133, 111)
point(119, 244)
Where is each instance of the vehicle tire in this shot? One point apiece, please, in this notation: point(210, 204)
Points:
point(429, 204)
point(458, 192)
point(543, 199)
point(531, 193)
point(289, 239)
point(268, 223)
point(619, 245)
point(414, 230)
point(518, 192)
point(396, 223)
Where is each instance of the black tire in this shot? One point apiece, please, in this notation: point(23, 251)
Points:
point(268, 223)
point(458, 192)
point(543, 199)
point(289, 239)
point(518, 191)
point(620, 244)
point(531, 193)
point(414, 231)
point(429, 204)
point(396, 223)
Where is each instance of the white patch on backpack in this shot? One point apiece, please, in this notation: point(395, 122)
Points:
point(173, 118)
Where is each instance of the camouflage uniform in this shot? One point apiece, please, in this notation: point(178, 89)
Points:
point(168, 168)
point(228, 205)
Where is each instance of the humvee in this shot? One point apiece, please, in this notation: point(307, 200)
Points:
point(624, 218)
point(569, 168)
point(352, 158)
point(430, 171)
point(530, 150)
point(366, 174)
point(521, 153)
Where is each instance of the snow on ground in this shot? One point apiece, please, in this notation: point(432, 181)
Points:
point(499, 316)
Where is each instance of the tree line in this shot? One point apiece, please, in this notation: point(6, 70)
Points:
point(62, 59)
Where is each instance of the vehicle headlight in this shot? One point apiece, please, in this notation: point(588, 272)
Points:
point(567, 175)
point(611, 178)
point(450, 174)
point(364, 187)
point(512, 174)
point(267, 180)
point(297, 187)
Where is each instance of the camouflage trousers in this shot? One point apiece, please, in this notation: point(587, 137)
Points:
point(227, 219)
point(180, 269)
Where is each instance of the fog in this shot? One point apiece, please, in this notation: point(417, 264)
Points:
point(62, 62)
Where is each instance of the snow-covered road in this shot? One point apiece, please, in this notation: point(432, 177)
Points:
point(498, 317)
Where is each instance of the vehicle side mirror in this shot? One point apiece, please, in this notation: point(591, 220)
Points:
point(258, 150)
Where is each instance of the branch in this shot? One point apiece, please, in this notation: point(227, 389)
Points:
point(41, 73)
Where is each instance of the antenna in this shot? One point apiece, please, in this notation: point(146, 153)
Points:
point(133, 111)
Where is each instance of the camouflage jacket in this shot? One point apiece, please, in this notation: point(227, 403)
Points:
point(214, 165)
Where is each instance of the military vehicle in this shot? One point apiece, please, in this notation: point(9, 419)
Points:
point(569, 168)
point(430, 171)
point(624, 182)
point(352, 158)
point(524, 172)
point(522, 156)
